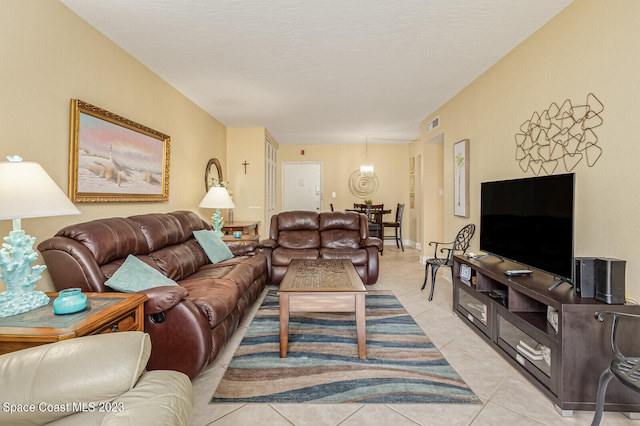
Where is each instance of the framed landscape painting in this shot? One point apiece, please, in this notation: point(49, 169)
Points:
point(115, 159)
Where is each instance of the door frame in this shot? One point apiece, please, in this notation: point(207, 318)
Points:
point(284, 164)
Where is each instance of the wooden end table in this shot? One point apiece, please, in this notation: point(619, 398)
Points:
point(105, 313)
point(245, 238)
point(246, 227)
point(322, 285)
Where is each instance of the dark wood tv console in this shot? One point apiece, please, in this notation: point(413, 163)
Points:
point(565, 363)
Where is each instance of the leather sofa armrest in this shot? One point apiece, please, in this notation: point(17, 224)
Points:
point(159, 397)
point(373, 242)
point(242, 248)
point(181, 339)
point(163, 298)
point(269, 243)
point(268, 246)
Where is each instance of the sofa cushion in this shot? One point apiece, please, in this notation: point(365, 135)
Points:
point(340, 230)
point(357, 257)
point(160, 230)
point(216, 298)
point(135, 275)
point(297, 221)
point(181, 260)
point(339, 220)
point(340, 238)
point(190, 222)
point(302, 239)
point(108, 239)
point(214, 247)
point(283, 256)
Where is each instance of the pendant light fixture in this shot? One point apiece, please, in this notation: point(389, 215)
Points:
point(366, 169)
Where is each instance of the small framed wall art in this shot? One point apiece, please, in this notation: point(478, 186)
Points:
point(461, 178)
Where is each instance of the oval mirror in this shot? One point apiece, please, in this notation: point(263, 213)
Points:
point(212, 174)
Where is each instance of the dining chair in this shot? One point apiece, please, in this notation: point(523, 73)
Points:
point(374, 215)
point(460, 244)
point(397, 225)
point(624, 368)
point(374, 219)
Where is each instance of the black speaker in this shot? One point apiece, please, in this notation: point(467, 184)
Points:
point(585, 277)
point(610, 281)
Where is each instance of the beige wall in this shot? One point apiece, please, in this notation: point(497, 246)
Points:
point(591, 47)
point(247, 145)
point(391, 164)
point(49, 55)
point(428, 195)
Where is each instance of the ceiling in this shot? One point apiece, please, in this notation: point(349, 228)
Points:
point(319, 72)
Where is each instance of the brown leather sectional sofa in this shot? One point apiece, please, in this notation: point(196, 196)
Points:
point(326, 235)
point(188, 323)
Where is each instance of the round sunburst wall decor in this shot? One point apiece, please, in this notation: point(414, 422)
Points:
point(363, 186)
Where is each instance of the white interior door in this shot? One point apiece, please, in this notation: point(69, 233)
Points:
point(301, 186)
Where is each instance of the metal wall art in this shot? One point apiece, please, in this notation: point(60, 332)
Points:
point(363, 186)
point(560, 135)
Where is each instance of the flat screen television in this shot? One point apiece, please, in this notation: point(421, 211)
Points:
point(530, 221)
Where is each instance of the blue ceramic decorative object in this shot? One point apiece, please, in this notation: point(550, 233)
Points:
point(69, 301)
point(237, 234)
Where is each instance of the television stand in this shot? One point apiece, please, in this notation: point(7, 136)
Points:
point(564, 359)
point(484, 256)
point(558, 282)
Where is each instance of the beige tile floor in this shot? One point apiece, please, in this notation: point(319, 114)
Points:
point(507, 397)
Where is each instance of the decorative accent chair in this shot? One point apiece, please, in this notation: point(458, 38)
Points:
point(397, 226)
point(459, 245)
point(623, 368)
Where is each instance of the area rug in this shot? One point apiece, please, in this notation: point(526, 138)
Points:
point(402, 365)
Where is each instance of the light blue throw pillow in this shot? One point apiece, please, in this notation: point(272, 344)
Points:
point(135, 275)
point(214, 247)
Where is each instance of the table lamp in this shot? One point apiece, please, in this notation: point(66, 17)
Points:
point(26, 191)
point(217, 198)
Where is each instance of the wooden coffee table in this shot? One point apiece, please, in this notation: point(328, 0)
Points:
point(322, 285)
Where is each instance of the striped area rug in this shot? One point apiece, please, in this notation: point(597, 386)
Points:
point(402, 364)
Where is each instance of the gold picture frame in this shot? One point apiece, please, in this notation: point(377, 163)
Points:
point(114, 159)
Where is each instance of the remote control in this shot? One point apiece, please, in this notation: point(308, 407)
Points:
point(515, 272)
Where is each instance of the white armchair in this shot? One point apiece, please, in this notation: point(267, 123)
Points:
point(92, 380)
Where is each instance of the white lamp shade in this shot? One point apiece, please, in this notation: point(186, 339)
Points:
point(26, 190)
point(217, 198)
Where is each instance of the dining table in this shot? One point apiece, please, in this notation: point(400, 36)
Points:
point(365, 211)
point(375, 226)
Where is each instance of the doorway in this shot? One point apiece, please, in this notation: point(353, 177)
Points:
point(302, 186)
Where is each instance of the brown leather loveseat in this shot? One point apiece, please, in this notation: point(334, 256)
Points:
point(326, 235)
point(188, 323)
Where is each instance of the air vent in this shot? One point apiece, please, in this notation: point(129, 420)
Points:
point(433, 124)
